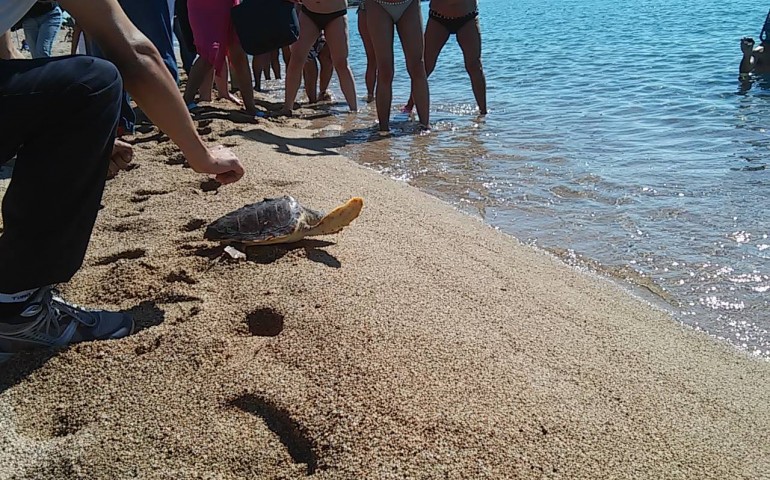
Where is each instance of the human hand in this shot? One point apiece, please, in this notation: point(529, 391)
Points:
point(747, 45)
point(222, 162)
point(122, 154)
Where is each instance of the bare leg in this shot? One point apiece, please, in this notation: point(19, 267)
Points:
point(308, 35)
point(286, 52)
point(239, 63)
point(256, 73)
point(371, 63)
point(337, 38)
point(436, 36)
point(469, 38)
point(327, 70)
point(264, 65)
point(410, 33)
point(223, 89)
point(198, 72)
point(208, 84)
point(381, 32)
point(310, 76)
point(276, 65)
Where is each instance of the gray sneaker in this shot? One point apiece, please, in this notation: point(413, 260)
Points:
point(54, 323)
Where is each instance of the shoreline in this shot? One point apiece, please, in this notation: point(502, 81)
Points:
point(641, 286)
point(418, 343)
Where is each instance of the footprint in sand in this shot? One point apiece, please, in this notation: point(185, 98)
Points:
point(149, 346)
point(292, 435)
point(140, 225)
point(176, 298)
point(143, 195)
point(132, 254)
point(193, 225)
point(176, 159)
point(180, 276)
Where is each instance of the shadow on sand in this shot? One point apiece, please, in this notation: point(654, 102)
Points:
point(267, 254)
point(147, 314)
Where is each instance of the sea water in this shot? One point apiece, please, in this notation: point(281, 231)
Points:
point(619, 137)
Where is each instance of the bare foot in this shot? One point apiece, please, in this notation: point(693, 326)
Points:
point(326, 96)
point(229, 96)
point(369, 98)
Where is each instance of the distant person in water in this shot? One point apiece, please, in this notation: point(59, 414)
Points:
point(459, 18)
point(755, 59)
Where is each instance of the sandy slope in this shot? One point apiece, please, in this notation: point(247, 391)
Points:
point(419, 343)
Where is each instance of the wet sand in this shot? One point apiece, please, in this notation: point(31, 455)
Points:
point(418, 343)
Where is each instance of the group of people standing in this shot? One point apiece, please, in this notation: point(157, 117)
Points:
point(378, 21)
point(324, 26)
point(61, 167)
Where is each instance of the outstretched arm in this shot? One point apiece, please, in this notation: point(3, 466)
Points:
point(150, 83)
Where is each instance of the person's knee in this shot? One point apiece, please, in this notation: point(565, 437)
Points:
point(96, 80)
point(416, 69)
point(473, 65)
point(385, 74)
point(340, 65)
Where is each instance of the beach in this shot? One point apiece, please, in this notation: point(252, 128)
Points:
point(417, 343)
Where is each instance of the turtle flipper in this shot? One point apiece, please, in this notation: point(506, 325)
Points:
point(338, 218)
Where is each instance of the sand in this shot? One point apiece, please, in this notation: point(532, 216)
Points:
point(418, 343)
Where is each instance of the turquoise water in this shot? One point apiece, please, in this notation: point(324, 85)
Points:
point(619, 137)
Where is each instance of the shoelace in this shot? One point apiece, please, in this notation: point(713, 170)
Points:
point(73, 310)
point(52, 310)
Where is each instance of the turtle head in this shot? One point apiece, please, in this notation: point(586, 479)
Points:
point(311, 217)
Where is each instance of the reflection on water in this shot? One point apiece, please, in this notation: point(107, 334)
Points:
point(642, 155)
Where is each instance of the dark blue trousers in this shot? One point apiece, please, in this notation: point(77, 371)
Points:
point(58, 116)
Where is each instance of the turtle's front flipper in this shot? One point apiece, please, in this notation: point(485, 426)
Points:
point(338, 218)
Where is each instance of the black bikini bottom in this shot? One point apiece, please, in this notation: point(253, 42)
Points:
point(453, 25)
point(321, 20)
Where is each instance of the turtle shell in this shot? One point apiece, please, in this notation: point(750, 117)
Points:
point(263, 221)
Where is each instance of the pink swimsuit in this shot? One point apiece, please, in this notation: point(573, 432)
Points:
point(212, 29)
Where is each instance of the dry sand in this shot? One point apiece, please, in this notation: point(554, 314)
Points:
point(418, 343)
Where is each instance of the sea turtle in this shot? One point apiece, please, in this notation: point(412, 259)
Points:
point(280, 220)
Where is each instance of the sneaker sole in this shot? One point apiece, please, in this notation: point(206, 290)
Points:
point(4, 357)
